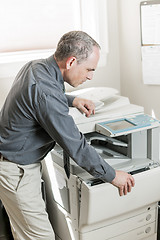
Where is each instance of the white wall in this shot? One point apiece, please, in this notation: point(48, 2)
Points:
point(130, 59)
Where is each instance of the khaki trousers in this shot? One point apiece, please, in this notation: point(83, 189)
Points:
point(20, 193)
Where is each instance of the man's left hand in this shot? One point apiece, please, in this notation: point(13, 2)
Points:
point(84, 105)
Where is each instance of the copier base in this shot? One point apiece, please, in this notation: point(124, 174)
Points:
point(145, 232)
point(79, 211)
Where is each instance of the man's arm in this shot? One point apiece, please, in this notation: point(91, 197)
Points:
point(61, 127)
point(124, 182)
point(84, 105)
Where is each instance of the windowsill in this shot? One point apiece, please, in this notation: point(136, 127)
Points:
point(24, 56)
point(21, 56)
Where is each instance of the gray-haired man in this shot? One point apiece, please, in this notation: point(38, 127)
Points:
point(34, 117)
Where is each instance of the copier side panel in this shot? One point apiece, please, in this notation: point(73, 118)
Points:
point(62, 200)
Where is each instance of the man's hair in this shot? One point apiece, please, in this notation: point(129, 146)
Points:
point(75, 43)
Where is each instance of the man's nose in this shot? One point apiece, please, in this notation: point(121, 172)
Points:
point(90, 76)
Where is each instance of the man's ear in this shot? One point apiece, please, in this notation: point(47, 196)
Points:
point(70, 62)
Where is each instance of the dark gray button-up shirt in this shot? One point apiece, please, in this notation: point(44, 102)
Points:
point(35, 116)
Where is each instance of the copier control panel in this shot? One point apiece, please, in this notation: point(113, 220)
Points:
point(124, 126)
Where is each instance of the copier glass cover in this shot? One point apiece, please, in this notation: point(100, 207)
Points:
point(126, 125)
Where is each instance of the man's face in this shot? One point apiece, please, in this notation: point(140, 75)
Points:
point(77, 74)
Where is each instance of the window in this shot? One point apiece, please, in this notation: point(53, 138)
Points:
point(38, 24)
point(34, 24)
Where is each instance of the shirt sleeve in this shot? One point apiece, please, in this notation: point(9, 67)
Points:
point(70, 99)
point(52, 115)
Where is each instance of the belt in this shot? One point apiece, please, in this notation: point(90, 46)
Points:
point(2, 158)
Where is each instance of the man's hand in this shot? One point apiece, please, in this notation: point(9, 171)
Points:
point(124, 182)
point(84, 105)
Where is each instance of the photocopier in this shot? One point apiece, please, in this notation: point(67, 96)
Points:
point(85, 208)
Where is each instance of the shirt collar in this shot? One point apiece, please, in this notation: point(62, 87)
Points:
point(53, 65)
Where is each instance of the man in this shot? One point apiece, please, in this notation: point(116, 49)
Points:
point(34, 117)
